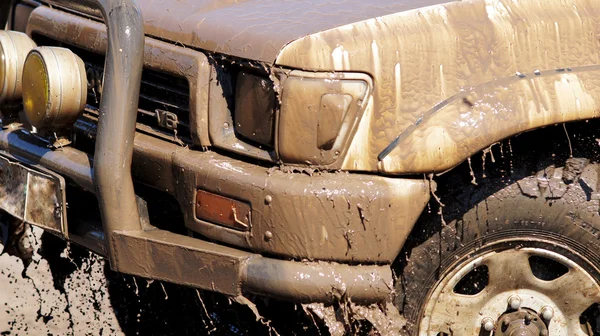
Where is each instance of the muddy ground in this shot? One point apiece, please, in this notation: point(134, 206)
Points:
point(66, 290)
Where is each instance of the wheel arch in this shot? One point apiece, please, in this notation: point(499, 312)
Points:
point(481, 116)
point(514, 158)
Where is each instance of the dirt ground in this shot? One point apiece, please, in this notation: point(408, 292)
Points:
point(66, 290)
point(36, 303)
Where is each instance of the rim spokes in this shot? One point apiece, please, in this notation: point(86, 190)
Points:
point(453, 312)
point(574, 292)
point(510, 270)
point(562, 285)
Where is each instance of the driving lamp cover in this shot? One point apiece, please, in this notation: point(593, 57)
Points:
point(54, 87)
point(14, 47)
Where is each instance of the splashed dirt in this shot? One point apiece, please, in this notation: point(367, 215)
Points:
point(35, 303)
point(67, 290)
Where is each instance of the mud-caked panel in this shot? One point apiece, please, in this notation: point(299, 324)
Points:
point(322, 216)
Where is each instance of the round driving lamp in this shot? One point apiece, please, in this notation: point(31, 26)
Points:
point(14, 47)
point(54, 87)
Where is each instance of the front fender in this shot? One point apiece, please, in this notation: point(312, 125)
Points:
point(480, 116)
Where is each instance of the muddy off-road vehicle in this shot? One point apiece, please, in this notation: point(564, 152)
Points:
point(440, 155)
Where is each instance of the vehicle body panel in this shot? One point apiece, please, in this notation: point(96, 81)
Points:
point(420, 58)
point(257, 29)
point(419, 53)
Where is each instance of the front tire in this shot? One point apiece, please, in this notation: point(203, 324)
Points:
point(533, 238)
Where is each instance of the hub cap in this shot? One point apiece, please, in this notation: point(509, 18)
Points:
point(510, 298)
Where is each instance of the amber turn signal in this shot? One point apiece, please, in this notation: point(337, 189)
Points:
point(54, 87)
point(221, 210)
point(14, 47)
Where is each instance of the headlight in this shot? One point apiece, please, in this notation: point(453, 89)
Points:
point(319, 114)
point(54, 87)
point(255, 108)
point(14, 47)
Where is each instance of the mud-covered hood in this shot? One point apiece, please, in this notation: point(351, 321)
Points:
point(258, 29)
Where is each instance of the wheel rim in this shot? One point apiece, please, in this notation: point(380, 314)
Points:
point(510, 276)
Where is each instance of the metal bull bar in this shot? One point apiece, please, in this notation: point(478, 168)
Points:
point(118, 112)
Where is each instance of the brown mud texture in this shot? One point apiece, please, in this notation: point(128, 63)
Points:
point(67, 290)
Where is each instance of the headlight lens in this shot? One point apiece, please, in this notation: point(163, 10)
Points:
point(255, 108)
point(14, 47)
point(319, 114)
point(54, 87)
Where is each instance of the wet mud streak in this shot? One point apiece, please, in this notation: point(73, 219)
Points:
point(511, 157)
point(432, 189)
point(473, 180)
point(347, 318)
point(164, 291)
point(361, 213)
point(137, 290)
point(259, 318)
point(210, 320)
point(569, 140)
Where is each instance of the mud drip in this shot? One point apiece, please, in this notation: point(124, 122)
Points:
point(473, 180)
point(432, 189)
point(210, 320)
point(164, 291)
point(352, 319)
point(568, 139)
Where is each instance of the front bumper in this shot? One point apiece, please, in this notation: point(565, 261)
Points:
point(324, 216)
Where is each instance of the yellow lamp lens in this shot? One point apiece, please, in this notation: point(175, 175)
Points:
point(54, 87)
point(35, 88)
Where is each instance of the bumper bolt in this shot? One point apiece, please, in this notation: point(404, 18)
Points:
point(487, 324)
point(268, 199)
point(547, 313)
point(514, 301)
point(268, 236)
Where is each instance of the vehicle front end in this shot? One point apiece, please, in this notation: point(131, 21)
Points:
point(287, 149)
point(236, 163)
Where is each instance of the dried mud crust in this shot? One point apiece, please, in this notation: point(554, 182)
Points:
point(529, 188)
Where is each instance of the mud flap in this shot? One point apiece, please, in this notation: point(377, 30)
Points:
point(33, 194)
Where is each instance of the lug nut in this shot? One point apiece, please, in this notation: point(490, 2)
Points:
point(547, 313)
point(487, 324)
point(514, 302)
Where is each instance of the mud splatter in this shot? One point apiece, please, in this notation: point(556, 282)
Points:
point(473, 179)
point(38, 300)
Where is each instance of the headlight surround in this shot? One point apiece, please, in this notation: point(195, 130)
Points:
point(295, 117)
point(14, 47)
point(319, 114)
point(54, 87)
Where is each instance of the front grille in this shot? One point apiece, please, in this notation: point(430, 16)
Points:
point(163, 109)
